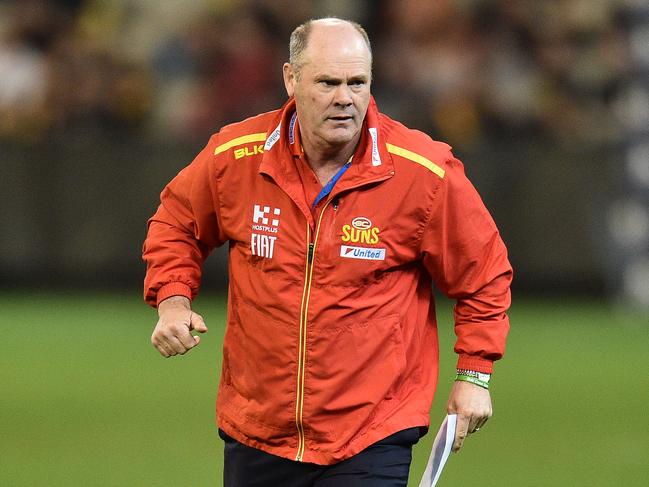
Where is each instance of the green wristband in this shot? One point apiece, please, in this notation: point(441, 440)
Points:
point(472, 380)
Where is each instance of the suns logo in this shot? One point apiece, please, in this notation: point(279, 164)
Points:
point(360, 231)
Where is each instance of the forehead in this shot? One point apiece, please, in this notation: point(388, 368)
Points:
point(336, 47)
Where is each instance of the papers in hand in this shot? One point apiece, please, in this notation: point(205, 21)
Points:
point(440, 451)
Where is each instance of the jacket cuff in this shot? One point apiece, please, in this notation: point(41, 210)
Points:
point(173, 289)
point(473, 362)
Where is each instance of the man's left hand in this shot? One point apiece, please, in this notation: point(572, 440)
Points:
point(472, 404)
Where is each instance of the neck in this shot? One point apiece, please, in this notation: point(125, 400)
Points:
point(325, 160)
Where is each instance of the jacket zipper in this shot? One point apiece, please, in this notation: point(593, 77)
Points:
point(308, 276)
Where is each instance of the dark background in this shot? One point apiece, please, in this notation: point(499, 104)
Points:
point(101, 103)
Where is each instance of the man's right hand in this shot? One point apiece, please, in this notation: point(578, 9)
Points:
point(171, 335)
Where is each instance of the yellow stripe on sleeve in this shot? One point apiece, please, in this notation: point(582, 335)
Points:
point(430, 165)
point(244, 139)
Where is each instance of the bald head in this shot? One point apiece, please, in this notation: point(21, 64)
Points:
point(319, 34)
point(329, 76)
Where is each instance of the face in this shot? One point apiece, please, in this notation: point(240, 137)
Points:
point(332, 89)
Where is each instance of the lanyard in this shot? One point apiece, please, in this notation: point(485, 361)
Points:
point(326, 189)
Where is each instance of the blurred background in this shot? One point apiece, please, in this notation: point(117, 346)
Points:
point(102, 102)
point(546, 102)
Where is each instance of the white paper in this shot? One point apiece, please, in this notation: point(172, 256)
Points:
point(440, 451)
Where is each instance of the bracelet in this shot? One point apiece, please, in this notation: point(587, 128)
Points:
point(474, 373)
point(470, 373)
point(472, 380)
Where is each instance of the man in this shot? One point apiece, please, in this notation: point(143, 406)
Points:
point(338, 220)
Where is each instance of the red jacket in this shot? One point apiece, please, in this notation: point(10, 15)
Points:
point(331, 338)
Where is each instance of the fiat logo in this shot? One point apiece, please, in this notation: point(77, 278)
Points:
point(361, 223)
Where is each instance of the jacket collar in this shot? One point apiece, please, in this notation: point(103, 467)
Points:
point(371, 161)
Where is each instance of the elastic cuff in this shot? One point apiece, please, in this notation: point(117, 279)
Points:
point(473, 362)
point(173, 289)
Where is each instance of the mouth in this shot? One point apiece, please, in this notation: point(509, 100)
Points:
point(341, 118)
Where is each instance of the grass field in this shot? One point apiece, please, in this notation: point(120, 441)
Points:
point(86, 401)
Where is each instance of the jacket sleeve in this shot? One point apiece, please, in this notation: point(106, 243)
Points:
point(182, 232)
point(467, 259)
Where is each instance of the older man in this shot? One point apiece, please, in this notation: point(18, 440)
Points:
point(338, 220)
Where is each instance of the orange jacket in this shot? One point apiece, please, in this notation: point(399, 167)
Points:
point(331, 338)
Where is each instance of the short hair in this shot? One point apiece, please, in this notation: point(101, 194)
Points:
point(300, 36)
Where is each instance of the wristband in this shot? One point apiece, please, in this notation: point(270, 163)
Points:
point(473, 373)
point(472, 380)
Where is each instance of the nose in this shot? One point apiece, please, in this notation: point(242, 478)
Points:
point(343, 95)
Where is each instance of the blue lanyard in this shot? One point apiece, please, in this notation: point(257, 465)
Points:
point(327, 188)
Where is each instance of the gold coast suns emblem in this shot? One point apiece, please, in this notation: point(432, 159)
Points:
point(360, 231)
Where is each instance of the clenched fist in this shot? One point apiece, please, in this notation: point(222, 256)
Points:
point(171, 335)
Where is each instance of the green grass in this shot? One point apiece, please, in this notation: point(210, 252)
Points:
point(85, 400)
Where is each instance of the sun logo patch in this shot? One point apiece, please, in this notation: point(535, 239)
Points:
point(361, 231)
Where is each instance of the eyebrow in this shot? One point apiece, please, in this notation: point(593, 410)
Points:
point(333, 79)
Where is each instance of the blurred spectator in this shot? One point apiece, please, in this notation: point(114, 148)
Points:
point(524, 89)
point(509, 65)
point(433, 48)
point(26, 38)
point(218, 70)
point(472, 69)
point(55, 76)
point(22, 86)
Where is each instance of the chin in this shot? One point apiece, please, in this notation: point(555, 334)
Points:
point(340, 138)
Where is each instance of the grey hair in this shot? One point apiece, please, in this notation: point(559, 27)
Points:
point(300, 36)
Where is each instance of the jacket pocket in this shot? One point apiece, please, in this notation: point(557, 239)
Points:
point(259, 362)
point(352, 369)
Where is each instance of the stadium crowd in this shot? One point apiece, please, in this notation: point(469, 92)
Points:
point(463, 70)
point(525, 91)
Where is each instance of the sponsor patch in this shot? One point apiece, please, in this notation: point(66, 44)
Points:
point(362, 253)
point(262, 245)
point(376, 158)
point(266, 221)
point(273, 137)
point(291, 129)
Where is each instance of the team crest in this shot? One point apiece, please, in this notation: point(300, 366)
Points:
point(361, 231)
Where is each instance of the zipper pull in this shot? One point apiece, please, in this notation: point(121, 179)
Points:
point(335, 202)
point(310, 255)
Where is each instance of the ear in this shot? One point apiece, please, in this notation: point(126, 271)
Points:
point(289, 79)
